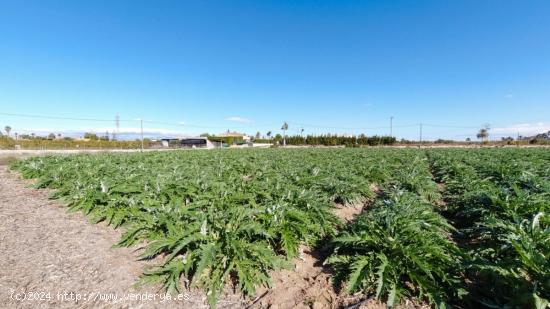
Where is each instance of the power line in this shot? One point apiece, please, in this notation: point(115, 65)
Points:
point(57, 117)
point(184, 124)
point(348, 128)
point(118, 120)
point(450, 126)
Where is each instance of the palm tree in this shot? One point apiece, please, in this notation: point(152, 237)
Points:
point(284, 128)
point(8, 130)
point(268, 134)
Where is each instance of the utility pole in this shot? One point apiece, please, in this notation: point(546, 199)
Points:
point(141, 124)
point(421, 134)
point(117, 127)
point(182, 124)
point(391, 126)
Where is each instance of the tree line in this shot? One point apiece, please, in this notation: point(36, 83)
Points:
point(331, 140)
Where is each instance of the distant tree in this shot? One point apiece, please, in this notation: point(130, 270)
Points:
point(205, 135)
point(258, 135)
point(268, 134)
point(284, 128)
point(51, 136)
point(508, 140)
point(468, 139)
point(8, 130)
point(483, 134)
point(335, 140)
point(33, 136)
point(91, 136)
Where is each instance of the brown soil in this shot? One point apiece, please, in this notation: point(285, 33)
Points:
point(308, 285)
point(347, 213)
point(43, 249)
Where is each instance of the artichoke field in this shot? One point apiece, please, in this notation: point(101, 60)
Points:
point(445, 227)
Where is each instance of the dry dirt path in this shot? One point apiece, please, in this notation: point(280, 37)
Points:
point(44, 249)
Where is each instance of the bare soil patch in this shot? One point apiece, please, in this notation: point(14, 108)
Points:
point(347, 213)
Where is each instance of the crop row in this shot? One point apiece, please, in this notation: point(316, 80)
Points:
point(499, 202)
point(400, 246)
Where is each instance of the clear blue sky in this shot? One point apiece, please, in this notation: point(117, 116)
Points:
point(338, 64)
